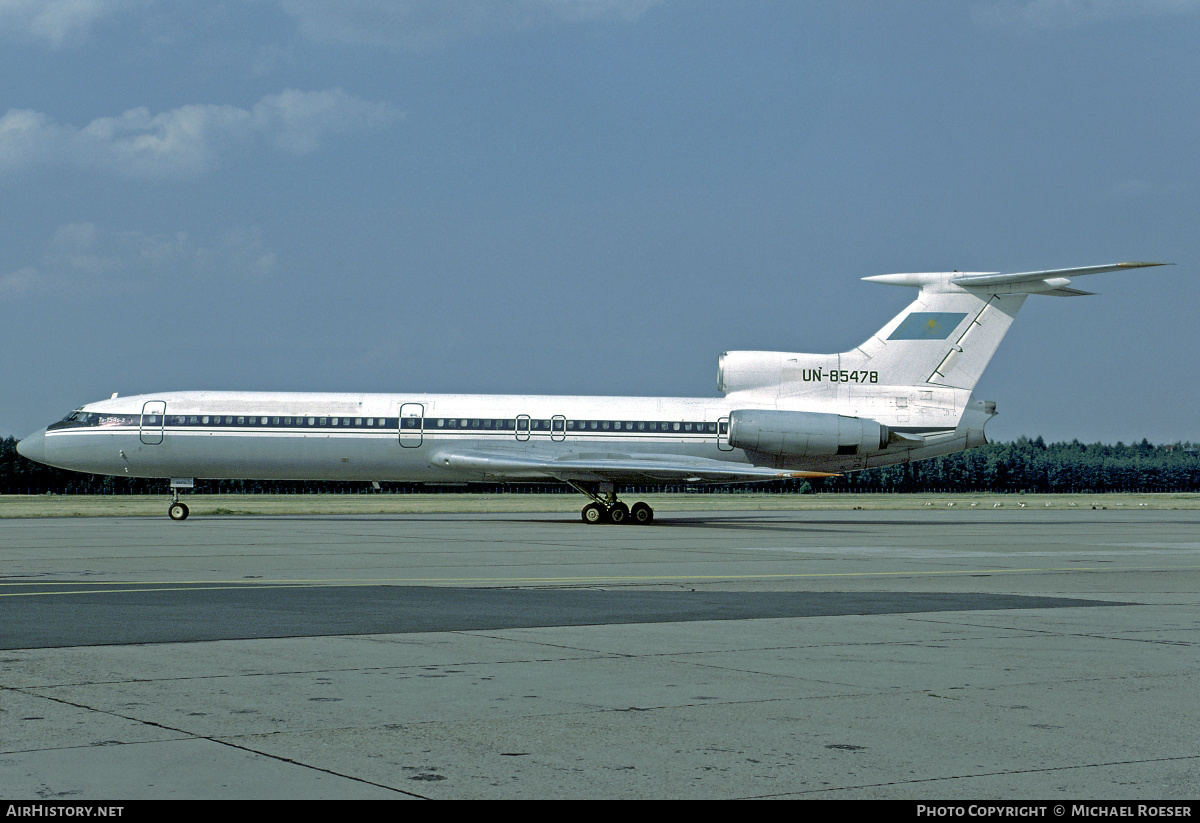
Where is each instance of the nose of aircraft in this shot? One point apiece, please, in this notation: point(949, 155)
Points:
point(33, 446)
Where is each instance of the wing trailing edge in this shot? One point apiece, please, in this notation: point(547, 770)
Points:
point(618, 467)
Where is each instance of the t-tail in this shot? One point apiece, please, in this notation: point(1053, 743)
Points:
point(914, 376)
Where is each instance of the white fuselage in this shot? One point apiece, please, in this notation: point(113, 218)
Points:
point(426, 437)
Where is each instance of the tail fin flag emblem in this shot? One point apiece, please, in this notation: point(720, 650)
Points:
point(927, 325)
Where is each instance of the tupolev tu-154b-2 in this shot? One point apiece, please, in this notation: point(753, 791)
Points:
point(905, 394)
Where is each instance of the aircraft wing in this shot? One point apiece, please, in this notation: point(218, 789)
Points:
point(584, 467)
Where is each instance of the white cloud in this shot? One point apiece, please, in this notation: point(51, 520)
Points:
point(58, 22)
point(413, 25)
point(425, 25)
point(1068, 13)
point(80, 258)
point(187, 141)
point(18, 282)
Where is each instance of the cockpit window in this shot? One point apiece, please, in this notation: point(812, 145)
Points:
point(80, 418)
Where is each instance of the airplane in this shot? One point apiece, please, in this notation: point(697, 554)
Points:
point(903, 395)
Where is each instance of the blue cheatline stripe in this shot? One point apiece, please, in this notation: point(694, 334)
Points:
point(382, 425)
point(927, 325)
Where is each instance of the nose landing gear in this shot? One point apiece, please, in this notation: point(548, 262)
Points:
point(177, 510)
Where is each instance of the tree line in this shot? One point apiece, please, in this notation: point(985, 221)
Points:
point(1021, 466)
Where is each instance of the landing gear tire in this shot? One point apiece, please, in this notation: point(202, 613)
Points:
point(177, 511)
point(619, 513)
point(641, 513)
point(594, 513)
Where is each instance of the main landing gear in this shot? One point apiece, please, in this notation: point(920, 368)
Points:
point(608, 509)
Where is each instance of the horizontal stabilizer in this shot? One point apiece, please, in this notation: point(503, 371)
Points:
point(1033, 278)
point(1053, 282)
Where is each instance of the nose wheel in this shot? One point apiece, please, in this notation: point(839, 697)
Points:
point(177, 510)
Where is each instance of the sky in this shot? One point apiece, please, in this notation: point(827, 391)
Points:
point(590, 196)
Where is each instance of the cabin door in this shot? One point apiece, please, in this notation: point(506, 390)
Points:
point(412, 425)
point(723, 435)
point(154, 415)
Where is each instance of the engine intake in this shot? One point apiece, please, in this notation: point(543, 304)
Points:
point(805, 434)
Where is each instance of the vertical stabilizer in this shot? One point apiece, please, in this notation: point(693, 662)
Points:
point(944, 338)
